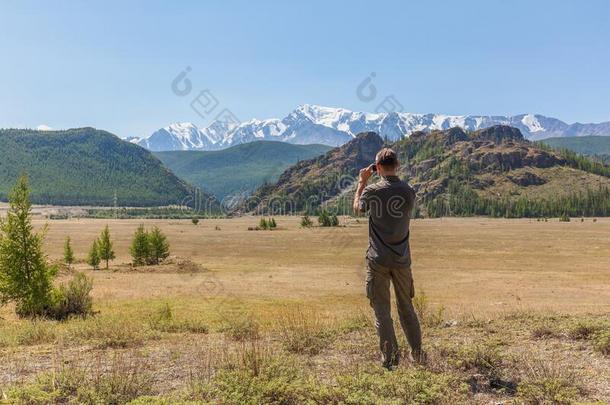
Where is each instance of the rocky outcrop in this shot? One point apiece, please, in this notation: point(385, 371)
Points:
point(526, 179)
point(498, 134)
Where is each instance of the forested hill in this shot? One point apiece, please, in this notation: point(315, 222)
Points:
point(86, 166)
point(240, 168)
point(594, 146)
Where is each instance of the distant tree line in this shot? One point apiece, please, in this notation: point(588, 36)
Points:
point(461, 200)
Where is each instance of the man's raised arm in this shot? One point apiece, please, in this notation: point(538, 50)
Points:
point(363, 179)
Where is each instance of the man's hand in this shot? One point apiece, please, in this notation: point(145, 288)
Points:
point(365, 175)
point(363, 178)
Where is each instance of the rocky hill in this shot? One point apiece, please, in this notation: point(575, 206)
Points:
point(492, 171)
point(311, 183)
point(495, 171)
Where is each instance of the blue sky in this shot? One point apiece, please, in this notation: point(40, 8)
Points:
point(110, 64)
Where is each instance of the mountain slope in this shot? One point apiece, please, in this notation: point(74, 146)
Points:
point(310, 183)
point(309, 124)
point(86, 166)
point(587, 145)
point(240, 168)
point(493, 171)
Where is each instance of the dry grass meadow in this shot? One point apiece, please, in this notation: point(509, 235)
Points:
point(514, 311)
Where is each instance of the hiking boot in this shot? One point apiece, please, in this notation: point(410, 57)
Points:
point(419, 356)
point(392, 362)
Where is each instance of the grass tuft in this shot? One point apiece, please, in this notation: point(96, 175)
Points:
point(303, 333)
point(241, 327)
point(544, 331)
point(163, 320)
point(547, 382)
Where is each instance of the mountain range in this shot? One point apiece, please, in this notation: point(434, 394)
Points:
point(313, 124)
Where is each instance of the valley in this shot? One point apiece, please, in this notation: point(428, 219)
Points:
point(239, 169)
point(511, 291)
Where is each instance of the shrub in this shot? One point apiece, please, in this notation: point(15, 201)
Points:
point(564, 218)
point(263, 224)
point(306, 222)
point(195, 221)
point(73, 298)
point(25, 276)
point(272, 223)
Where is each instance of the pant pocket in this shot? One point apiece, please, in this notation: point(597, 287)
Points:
point(370, 289)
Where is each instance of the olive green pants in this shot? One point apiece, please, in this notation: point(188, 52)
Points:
point(378, 291)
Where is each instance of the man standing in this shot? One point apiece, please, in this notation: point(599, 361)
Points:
point(389, 203)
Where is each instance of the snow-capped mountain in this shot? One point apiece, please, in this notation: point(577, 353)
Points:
point(309, 124)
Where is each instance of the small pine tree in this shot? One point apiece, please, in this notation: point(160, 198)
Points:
point(272, 223)
point(327, 219)
point(158, 246)
point(25, 276)
point(262, 224)
point(68, 252)
point(324, 218)
point(306, 222)
point(93, 258)
point(140, 247)
point(106, 252)
point(334, 220)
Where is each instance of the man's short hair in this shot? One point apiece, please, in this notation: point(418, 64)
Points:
point(386, 157)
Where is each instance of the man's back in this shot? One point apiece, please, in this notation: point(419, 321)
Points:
point(389, 203)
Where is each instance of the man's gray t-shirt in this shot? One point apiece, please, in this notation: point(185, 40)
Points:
point(389, 202)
